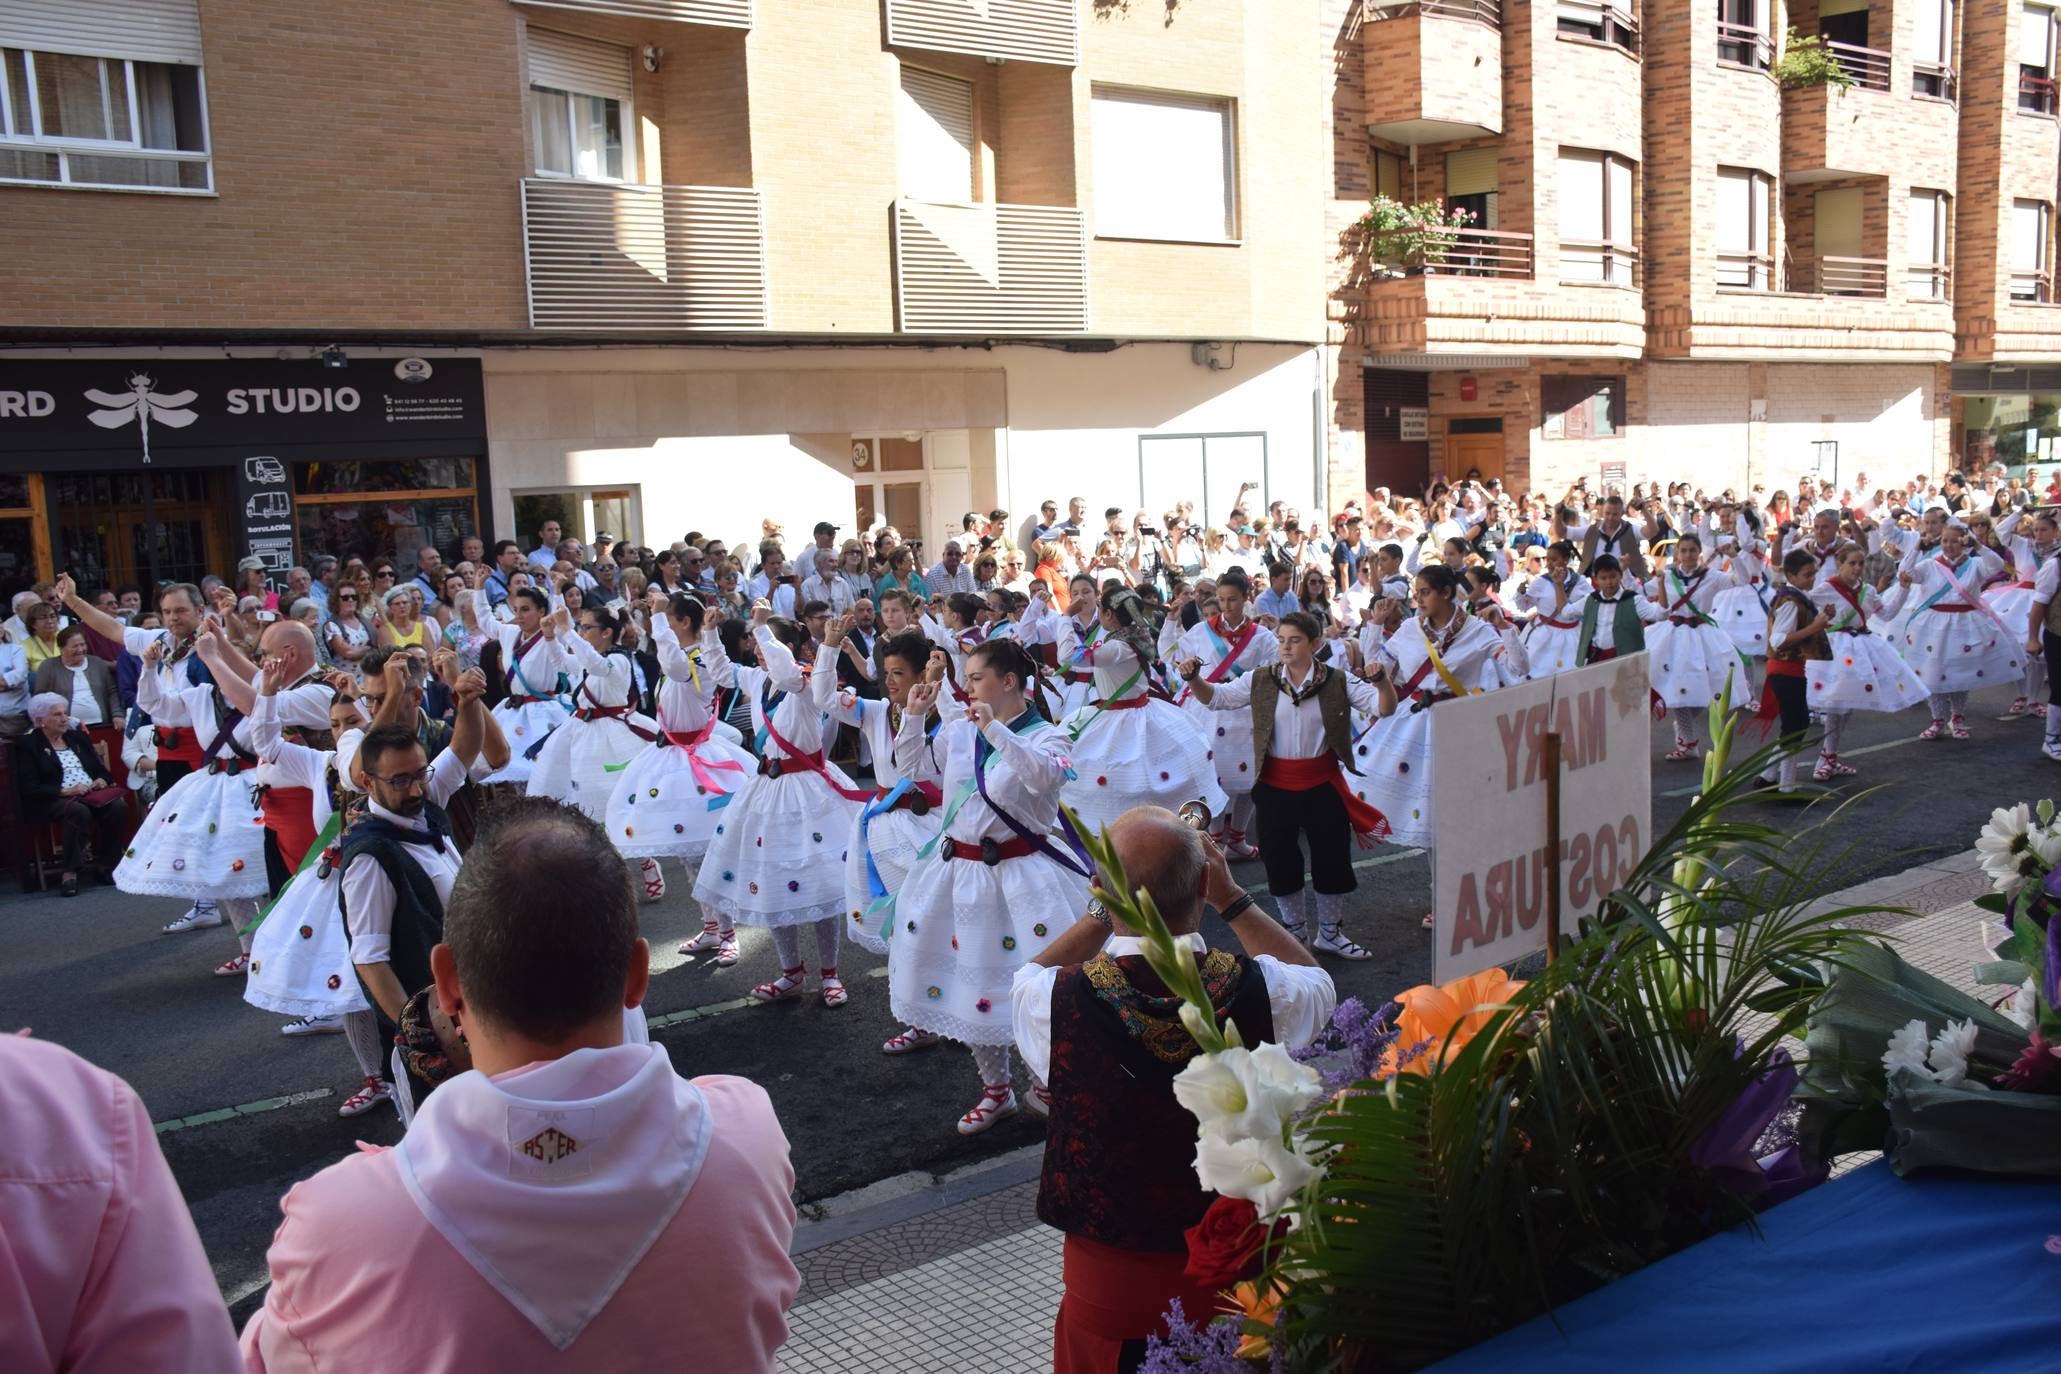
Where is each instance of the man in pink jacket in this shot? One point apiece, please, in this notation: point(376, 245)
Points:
point(101, 1271)
point(549, 1208)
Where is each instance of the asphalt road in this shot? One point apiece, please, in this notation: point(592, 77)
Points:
point(94, 974)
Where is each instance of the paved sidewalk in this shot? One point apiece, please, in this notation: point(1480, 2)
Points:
point(927, 1274)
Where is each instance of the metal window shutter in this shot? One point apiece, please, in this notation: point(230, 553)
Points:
point(142, 30)
point(1470, 172)
point(936, 136)
point(562, 62)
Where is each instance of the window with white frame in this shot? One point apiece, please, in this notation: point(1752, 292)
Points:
point(1932, 49)
point(1931, 214)
point(1164, 166)
point(2031, 233)
point(2036, 76)
point(97, 119)
point(1600, 22)
point(1596, 243)
point(1745, 229)
point(580, 108)
point(936, 146)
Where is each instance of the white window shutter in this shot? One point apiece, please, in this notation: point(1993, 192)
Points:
point(140, 30)
point(561, 62)
point(2027, 233)
point(935, 137)
point(1620, 226)
point(2035, 36)
point(1162, 165)
point(1923, 239)
point(1581, 197)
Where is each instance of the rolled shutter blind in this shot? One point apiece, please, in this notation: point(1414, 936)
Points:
point(1471, 172)
point(936, 136)
point(140, 30)
point(561, 62)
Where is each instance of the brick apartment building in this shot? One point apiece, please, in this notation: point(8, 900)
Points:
point(646, 265)
point(1679, 268)
point(349, 278)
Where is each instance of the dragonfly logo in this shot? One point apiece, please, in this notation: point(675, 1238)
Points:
point(142, 404)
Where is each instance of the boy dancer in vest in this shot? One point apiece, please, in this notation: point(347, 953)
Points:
point(1796, 635)
point(1094, 1022)
point(1614, 618)
point(1301, 714)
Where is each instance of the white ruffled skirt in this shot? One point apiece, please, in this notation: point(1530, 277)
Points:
point(1865, 673)
point(1960, 651)
point(1688, 664)
point(779, 851)
point(1550, 649)
point(580, 762)
point(963, 928)
point(661, 806)
point(1143, 755)
point(1740, 613)
point(526, 728)
point(1227, 743)
point(204, 841)
point(1395, 774)
point(300, 957)
point(894, 838)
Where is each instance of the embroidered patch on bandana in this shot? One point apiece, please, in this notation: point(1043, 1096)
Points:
point(551, 1146)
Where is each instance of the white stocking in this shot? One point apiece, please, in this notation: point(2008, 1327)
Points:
point(1938, 703)
point(361, 1033)
point(1294, 909)
point(2054, 722)
point(829, 940)
point(1835, 724)
point(2035, 676)
point(240, 912)
point(1330, 912)
point(1788, 773)
point(787, 944)
point(1686, 719)
point(1959, 702)
point(993, 1063)
point(1241, 812)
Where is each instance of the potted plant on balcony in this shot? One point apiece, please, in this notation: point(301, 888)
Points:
point(1397, 240)
point(1808, 61)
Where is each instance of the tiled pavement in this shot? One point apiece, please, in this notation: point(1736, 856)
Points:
point(925, 1275)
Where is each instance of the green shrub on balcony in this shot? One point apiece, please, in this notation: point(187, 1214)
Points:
point(1808, 61)
point(1398, 237)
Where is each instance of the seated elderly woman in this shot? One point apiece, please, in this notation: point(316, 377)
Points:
point(62, 779)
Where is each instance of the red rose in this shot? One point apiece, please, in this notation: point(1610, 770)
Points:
point(1224, 1247)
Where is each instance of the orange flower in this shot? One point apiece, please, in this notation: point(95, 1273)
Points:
point(1245, 1302)
point(1448, 1017)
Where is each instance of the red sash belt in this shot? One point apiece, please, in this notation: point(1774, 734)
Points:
point(812, 763)
point(989, 852)
point(1959, 608)
point(517, 699)
point(1553, 624)
point(621, 713)
point(180, 744)
point(1597, 655)
point(290, 816)
point(1128, 703)
point(921, 797)
point(1084, 675)
point(1306, 775)
point(1685, 620)
point(704, 770)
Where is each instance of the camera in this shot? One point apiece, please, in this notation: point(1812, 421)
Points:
point(1149, 531)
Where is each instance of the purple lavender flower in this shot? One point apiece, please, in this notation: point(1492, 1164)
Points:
point(1351, 1045)
point(1188, 1349)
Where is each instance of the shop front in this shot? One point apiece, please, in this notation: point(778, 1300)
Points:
point(128, 472)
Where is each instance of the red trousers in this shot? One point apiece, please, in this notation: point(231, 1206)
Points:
point(1113, 1296)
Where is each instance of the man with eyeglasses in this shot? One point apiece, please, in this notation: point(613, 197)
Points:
point(508, 561)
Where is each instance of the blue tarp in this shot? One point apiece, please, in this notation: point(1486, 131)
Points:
point(1868, 1272)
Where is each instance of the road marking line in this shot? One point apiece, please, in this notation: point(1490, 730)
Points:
point(1381, 859)
point(269, 1104)
point(1844, 753)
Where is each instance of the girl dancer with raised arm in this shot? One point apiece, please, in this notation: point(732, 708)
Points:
point(908, 799)
point(579, 763)
point(2030, 553)
point(535, 705)
point(1131, 747)
point(1690, 658)
point(1864, 672)
point(1229, 645)
point(998, 887)
point(1951, 637)
point(1554, 604)
point(780, 847)
point(1443, 652)
point(669, 798)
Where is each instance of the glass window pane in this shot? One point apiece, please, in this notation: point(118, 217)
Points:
point(14, 70)
point(1162, 166)
point(600, 132)
point(117, 88)
point(126, 171)
point(381, 529)
point(69, 95)
point(416, 474)
point(28, 166)
point(168, 104)
point(551, 122)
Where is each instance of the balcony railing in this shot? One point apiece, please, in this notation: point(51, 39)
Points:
point(2037, 93)
point(608, 257)
point(1015, 30)
point(1489, 12)
point(1593, 262)
point(1478, 253)
point(1869, 67)
point(2032, 288)
point(1935, 79)
point(1835, 276)
point(990, 269)
point(727, 14)
point(1739, 270)
point(1744, 46)
point(1929, 281)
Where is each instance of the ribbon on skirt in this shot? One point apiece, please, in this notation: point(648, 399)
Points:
point(321, 846)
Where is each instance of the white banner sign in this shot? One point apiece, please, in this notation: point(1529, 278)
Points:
point(1488, 754)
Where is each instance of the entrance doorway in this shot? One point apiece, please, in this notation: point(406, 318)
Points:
point(888, 484)
point(105, 534)
point(1474, 450)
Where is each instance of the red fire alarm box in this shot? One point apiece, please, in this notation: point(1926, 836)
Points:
point(1467, 389)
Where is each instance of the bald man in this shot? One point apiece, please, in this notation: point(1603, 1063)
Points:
point(1090, 1018)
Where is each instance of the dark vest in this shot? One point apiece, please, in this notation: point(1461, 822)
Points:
point(1628, 632)
point(1119, 1148)
point(1625, 547)
point(1331, 702)
point(1813, 647)
point(418, 924)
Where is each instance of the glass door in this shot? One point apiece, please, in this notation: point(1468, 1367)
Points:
point(107, 529)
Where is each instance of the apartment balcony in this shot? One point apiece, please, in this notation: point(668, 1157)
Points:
point(723, 14)
point(1434, 70)
point(1476, 292)
point(1830, 132)
point(989, 269)
point(1012, 30)
point(620, 258)
point(1836, 309)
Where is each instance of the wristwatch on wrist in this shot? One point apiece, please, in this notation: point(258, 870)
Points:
point(1097, 911)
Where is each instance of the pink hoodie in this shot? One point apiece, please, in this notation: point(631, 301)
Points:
point(548, 1219)
point(100, 1267)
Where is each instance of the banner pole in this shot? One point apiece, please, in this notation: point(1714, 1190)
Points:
point(1552, 846)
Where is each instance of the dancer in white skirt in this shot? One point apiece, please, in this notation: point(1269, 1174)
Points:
point(999, 887)
point(1442, 653)
point(1865, 672)
point(668, 800)
point(1553, 606)
point(908, 773)
point(1228, 645)
point(205, 838)
point(2029, 554)
point(1131, 747)
point(1074, 636)
point(535, 704)
point(579, 763)
point(780, 847)
point(1951, 638)
point(1690, 658)
point(300, 956)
